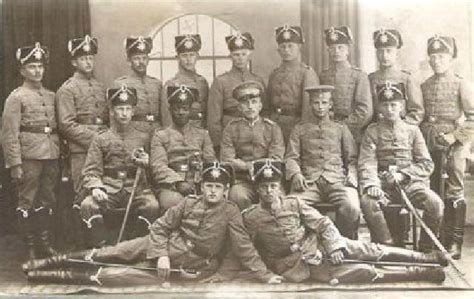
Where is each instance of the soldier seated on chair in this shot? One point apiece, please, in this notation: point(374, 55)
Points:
point(321, 159)
point(177, 151)
point(298, 243)
point(193, 235)
point(394, 151)
point(249, 138)
point(110, 170)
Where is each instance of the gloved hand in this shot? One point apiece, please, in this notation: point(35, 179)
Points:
point(140, 158)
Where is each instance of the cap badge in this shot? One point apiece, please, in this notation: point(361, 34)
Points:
point(268, 172)
point(215, 173)
point(86, 47)
point(388, 93)
point(436, 44)
point(383, 38)
point(188, 44)
point(141, 46)
point(286, 35)
point(123, 96)
point(37, 54)
point(182, 96)
point(333, 36)
point(239, 42)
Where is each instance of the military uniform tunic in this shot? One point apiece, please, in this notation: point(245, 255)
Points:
point(352, 103)
point(221, 106)
point(109, 167)
point(325, 153)
point(147, 116)
point(287, 234)
point(448, 98)
point(198, 108)
point(30, 140)
point(414, 111)
point(172, 150)
point(82, 112)
point(400, 146)
point(249, 141)
point(287, 100)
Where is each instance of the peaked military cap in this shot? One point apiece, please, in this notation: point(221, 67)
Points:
point(138, 45)
point(288, 33)
point(267, 170)
point(247, 90)
point(319, 88)
point(182, 94)
point(390, 91)
point(29, 54)
point(338, 35)
point(384, 38)
point(187, 43)
point(239, 41)
point(217, 172)
point(122, 96)
point(442, 44)
point(83, 46)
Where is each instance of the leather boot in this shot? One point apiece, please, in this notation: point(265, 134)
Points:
point(56, 260)
point(395, 254)
point(376, 222)
point(458, 228)
point(26, 228)
point(75, 276)
point(95, 234)
point(44, 223)
point(447, 226)
point(435, 274)
point(398, 221)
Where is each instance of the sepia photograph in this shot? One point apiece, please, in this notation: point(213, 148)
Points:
point(237, 149)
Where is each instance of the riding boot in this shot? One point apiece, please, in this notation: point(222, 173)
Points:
point(57, 260)
point(434, 274)
point(395, 254)
point(448, 222)
point(26, 228)
point(74, 276)
point(377, 224)
point(44, 223)
point(458, 228)
point(95, 234)
point(398, 221)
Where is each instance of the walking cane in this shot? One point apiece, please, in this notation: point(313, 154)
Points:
point(430, 233)
point(129, 204)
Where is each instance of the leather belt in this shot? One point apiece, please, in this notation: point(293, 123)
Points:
point(38, 129)
point(287, 111)
point(121, 172)
point(146, 117)
point(91, 120)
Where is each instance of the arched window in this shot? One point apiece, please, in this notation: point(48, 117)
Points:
point(214, 55)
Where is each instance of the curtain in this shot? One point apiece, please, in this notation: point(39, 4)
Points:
point(316, 16)
point(52, 23)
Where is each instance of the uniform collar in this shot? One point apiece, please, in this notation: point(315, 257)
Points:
point(291, 64)
point(236, 70)
point(81, 76)
point(186, 126)
point(393, 124)
point(392, 69)
point(32, 86)
point(186, 73)
point(340, 65)
point(133, 74)
point(447, 74)
point(121, 131)
point(252, 123)
point(320, 121)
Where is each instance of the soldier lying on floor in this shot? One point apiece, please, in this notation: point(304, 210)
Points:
point(298, 243)
point(190, 239)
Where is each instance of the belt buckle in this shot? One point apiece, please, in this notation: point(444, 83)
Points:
point(183, 167)
point(150, 117)
point(294, 247)
point(98, 120)
point(47, 130)
point(122, 174)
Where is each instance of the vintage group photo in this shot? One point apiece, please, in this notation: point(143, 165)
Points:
point(237, 148)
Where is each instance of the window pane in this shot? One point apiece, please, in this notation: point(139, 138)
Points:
point(222, 65)
point(169, 32)
point(154, 69)
point(157, 50)
point(221, 30)
point(205, 30)
point(187, 24)
point(170, 67)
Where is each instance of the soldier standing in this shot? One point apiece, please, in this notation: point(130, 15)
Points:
point(81, 105)
point(352, 101)
point(111, 168)
point(247, 139)
point(321, 159)
point(31, 148)
point(287, 101)
point(192, 235)
point(448, 98)
point(222, 107)
point(298, 243)
point(146, 117)
point(187, 51)
point(388, 42)
point(178, 150)
point(394, 151)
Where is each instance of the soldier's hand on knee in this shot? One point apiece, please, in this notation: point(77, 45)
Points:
point(298, 183)
point(393, 177)
point(275, 279)
point(163, 267)
point(16, 173)
point(99, 195)
point(446, 139)
point(375, 192)
point(184, 188)
point(336, 257)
